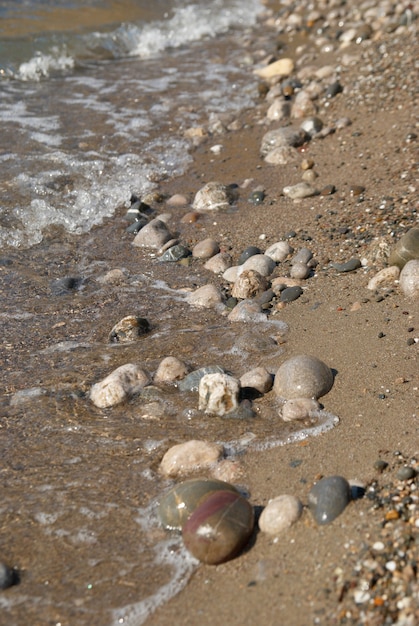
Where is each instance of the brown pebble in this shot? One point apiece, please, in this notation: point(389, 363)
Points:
point(307, 164)
point(392, 515)
point(356, 190)
point(328, 190)
point(190, 218)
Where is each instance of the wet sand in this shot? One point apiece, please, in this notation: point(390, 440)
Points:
point(99, 459)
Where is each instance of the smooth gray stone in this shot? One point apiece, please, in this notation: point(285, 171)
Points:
point(349, 266)
point(291, 293)
point(328, 498)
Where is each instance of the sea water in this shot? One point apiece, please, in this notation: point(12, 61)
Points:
point(95, 99)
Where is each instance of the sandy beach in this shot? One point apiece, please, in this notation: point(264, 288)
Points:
point(365, 176)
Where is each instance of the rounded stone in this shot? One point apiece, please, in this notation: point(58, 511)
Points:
point(8, 576)
point(175, 253)
point(282, 67)
point(259, 262)
point(279, 514)
point(219, 263)
point(129, 329)
point(219, 528)
point(282, 137)
point(279, 251)
point(312, 126)
point(299, 191)
point(348, 266)
point(206, 297)
point(407, 248)
point(181, 501)
point(289, 294)
point(299, 271)
point(298, 408)
point(409, 279)
point(303, 376)
point(406, 473)
point(328, 498)
point(386, 276)
point(190, 456)
point(247, 253)
point(170, 369)
point(259, 379)
point(125, 381)
point(249, 284)
point(205, 249)
point(153, 235)
point(304, 255)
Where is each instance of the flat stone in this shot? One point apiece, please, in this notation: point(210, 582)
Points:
point(289, 294)
point(349, 266)
point(282, 67)
point(300, 190)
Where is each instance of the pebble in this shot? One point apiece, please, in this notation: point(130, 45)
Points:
point(219, 263)
point(282, 67)
point(282, 137)
point(279, 251)
point(175, 253)
point(348, 266)
point(303, 376)
point(114, 277)
point(207, 297)
point(247, 253)
point(304, 255)
point(219, 528)
point(303, 105)
point(190, 456)
point(206, 249)
point(129, 329)
point(119, 385)
point(8, 576)
point(280, 109)
point(334, 89)
point(261, 263)
point(289, 294)
point(259, 379)
point(299, 271)
point(180, 502)
point(213, 196)
point(300, 190)
point(328, 498)
point(177, 200)
point(153, 235)
point(192, 380)
point(406, 249)
point(247, 311)
point(298, 408)
point(191, 217)
point(256, 197)
point(409, 279)
point(281, 155)
point(312, 126)
point(279, 514)
point(231, 274)
point(249, 284)
point(170, 369)
point(66, 285)
point(406, 473)
point(386, 276)
point(218, 394)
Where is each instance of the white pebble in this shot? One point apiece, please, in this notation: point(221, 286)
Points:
point(218, 394)
point(123, 382)
point(279, 251)
point(300, 190)
point(298, 408)
point(387, 276)
point(409, 279)
point(189, 456)
point(279, 514)
point(259, 379)
point(259, 262)
point(219, 263)
point(205, 297)
point(170, 369)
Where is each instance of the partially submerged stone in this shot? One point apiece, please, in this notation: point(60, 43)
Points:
point(218, 394)
point(125, 381)
point(190, 456)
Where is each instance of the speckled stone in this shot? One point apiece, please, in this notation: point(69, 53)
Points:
point(298, 408)
point(213, 196)
point(218, 394)
point(303, 376)
point(409, 279)
point(279, 251)
point(207, 296)
point(279, 514)
point(119, 385)
point(249, 284)
point(259, 379)
point(170, 369)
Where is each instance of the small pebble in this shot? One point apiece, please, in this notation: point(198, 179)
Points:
point(205, 249)
point(247, 253)
point(259, 379)
point(279, 251)
point(218, 394)
point(213, 196)
point(349, 266)
point(170, 369)
point(125, 381)
point(299, 408)
point(129, 329)
point(289, 294)
point(190, 456)
point(256, 197)
point(279, 514)
point(207, 296)
point(300, 190)
point(219, 263)
point(328, 498)
point(406, 473)
point(153, 235)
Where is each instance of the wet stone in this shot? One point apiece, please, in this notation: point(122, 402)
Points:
point(299, 409)
point(219, 263)
point(129, 329)
point(190, 456)
point(259, 379)
point(154, 235)
point(256, 197)
point(175, 253)
point(333, 90)
point(213, 196)
point(218, 394)
point(66, 285)
point(136, 226)
point(207, 296)
point(170, 370)
point(312, 126)
point(119, 385)
point(8, 577)
point(328, 498)
point(192, 380)
point(205, 249)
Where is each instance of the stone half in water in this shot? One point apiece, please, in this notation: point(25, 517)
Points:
point(181, 501)
point(328, 498)
point(303, 376)
point(219, 528)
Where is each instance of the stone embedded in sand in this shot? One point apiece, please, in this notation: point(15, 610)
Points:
point(328, 498)
point(303, 376)
point(218, 394)
point(153, 235)
point(282, 155)
point(190, 456)
point(170, 369)
point(213, 196)
point(279, 514)
point(280, 109)
point(205, 297)
point(386, 276)
point(205, 249)
point(249, 284)
point(409, 279)
point(258, 378)
point(122, 383)
point(282, 67)
point(298, 408)
point(247, 311)
point(300, 190)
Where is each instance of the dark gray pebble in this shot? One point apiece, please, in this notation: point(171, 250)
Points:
point(290, 293)
point(256, 197)
point(380, 465)
point(8, 577)
point(265, 297)
point(247, 253)
point(175, 253)
point(328, 498)
point(406, 473)
point(63, 286)
point(333, 90)
point(137, 225)
point(349, 266)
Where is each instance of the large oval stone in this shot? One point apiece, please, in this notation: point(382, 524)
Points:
point(303, 376)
